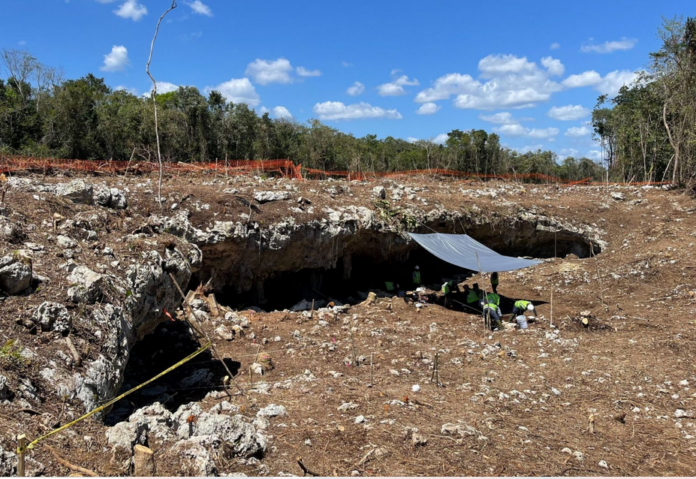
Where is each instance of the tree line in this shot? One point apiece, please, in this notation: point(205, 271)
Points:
point(648, 131)
point(41, 114)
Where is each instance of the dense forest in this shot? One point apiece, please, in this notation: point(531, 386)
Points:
point(647, 132)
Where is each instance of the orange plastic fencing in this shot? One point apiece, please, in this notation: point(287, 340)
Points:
point(285, 168)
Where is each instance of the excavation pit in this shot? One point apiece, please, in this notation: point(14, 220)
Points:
point(159, 350)
point(367, 261)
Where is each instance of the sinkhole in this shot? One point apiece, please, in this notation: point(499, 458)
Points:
point(165, 346)
point(368, 262)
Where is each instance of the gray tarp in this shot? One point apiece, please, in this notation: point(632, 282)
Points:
point(461, 250)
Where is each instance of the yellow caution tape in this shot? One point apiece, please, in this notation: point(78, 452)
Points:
point(102, 407)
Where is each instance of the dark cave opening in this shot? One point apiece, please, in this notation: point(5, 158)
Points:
point(169, 343)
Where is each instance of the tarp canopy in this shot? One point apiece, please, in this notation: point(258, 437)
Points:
point(462, 250)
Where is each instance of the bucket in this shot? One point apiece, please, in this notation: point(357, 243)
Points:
point(521, 321)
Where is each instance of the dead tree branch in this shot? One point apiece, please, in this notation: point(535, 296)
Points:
point(154, 102)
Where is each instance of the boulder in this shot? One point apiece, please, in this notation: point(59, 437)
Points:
point(268, 196)
point(379, 193)
point(65, 242)
point(85, 285)
point(271, 411)
point(15, 274)
point(5, 391)
point(118, 200)
point(102, 195)
point(52, 317)
point(77, 191)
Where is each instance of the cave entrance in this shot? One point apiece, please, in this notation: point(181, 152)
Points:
point(352, 276)
point(367, 265)
point(169, 343)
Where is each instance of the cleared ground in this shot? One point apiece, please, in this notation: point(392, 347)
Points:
point(513, 400)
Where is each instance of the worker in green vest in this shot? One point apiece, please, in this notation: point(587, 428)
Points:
point(494, 282)
point(492, 298)
point(491, 316)
point(416, 277)
point(390, 286)
point(447, 287)
point(471, 295)
point(521, 306)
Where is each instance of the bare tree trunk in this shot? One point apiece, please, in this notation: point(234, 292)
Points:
point(675, 146)
point(154, 102)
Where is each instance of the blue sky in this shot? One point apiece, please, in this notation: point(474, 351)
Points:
point(530, 71)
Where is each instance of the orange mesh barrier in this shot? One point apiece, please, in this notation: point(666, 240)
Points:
point(285, 168)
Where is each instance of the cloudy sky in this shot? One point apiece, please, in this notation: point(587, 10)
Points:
point(530, 71)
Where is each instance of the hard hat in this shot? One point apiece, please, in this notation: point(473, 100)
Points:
point(417, 267)
point(530, 307)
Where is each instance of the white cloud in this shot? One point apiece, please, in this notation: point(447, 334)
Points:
point(613, 81)
point(106, 1)
point(519, 130)
point(494, 65)
point(238, 90)
point(576, 131)
point(595, 155)
point(608, 47)
point(131, 9)
point(428, 109)
point(568, 112)
point(132, 91)
point(346, 64)
point(275, 71)
point(200, 8)
point(512, 82)
point(281, 112)
point(116, 60)
point(587, 78)
point(502, 118)
point(608, 85)
point(303, 72)
point(411, 139)
point(555, 46)
point(396, 87)
point(356, 89)
point(440, 139)
point(553, 65)
point(263, 110)
point(165, 87)
point(568, 152)
point(336, 110)
point(529, 148)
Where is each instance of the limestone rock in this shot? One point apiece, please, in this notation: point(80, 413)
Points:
point(379, 193)
point(15, 274)
point(5, 392)
point(85, 285)
point(77, 191)
point(52, 317)
point(268, 196)
point(271, 411)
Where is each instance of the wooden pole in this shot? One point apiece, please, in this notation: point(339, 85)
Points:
point(22, 442)
point(371, 368)
point(144, 461)
point(483, 286)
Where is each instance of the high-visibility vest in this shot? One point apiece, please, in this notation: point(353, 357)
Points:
point(389, 285)
point(494, 279)
point(492, 307)
point(416, 277)
point(446, 288)
point(493, 298)
point(472, 297)
point(522, 304)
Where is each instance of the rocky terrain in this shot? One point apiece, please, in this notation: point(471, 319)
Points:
point(601, 384)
